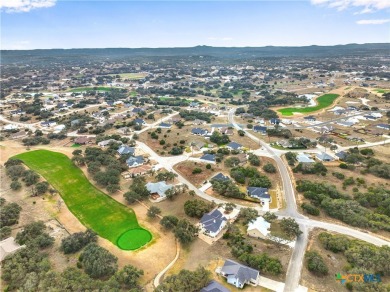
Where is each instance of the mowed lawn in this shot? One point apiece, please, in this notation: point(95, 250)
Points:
point(93, 208)
point(322, 102)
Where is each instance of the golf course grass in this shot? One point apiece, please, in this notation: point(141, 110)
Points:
point(382, 90)
point(322, 102)
point(96, 210)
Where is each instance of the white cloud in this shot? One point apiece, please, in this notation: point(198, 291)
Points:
point(11, 6)
point(367, 5)
point(373, 21)
point(220, 39)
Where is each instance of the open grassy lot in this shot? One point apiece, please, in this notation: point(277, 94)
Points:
point(322, 102)
point(82, 89)
point(96, 210)
point(133, 76)
point(382, 90)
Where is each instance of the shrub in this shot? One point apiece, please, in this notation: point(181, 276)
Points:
point(315, 263)
point(196, 170)
point(270, 168)
point(310, 209)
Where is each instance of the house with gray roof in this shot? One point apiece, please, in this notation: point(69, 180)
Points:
point(214, 286)
point(303, 158)
point(134, 161)
point(158, 188)
point(324, 157)
point(220, 177)
point(199, 131)
point(139, 122)
point(164, 125)
point(208, 157)
point(212, 223)
point(124, 149)
point(383, 126)
point(260, 129)
point(261, 194)
point(234, 146)
point(341, 155)
point(239, 275)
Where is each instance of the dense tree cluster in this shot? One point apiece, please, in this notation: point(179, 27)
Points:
point(314, 168)
point(315, 263)
point(189, 281)
point(365, 257)
point(137, 190)
point(250, 176)
point(219, 139)
point(197, 208)
point(242, 249)
point(195, 115)
point(291, 158)
point(76, 241)
point(9, 214)
point(367, 210)
point(34, 234)
point(253, 159)
point(227, 189)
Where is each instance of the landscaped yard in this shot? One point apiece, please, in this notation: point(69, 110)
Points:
point(322, 102)
point(93, 208)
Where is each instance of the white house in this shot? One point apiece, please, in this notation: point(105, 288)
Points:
point(8, 246)
point(258, 228)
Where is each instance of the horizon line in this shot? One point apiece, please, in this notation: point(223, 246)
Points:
point(189, 47)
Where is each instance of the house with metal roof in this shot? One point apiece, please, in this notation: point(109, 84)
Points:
point(139, 122)
point(124, 149)
point(212, 223)
point(214, 286)
point(258, 228)
point(239, 275)
point(303, 158)
point(134, 161)
point(383, 126)
point(341, 155)
point(324, 157)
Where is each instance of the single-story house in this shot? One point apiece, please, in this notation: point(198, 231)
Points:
point(199, 131)
point(258, 228)
point(136, 171)
point(208, 157)
point(303, 158)
point(341, 155)
point(124, 149)
point(324, 157)
point(345, 124)
point(134, 161)
point(260, 129)
point(165, 125)
point(226, 131)
point(137, 110)
point(157, 190)
point(234, 146)
point(261, 194)
point(310, 118)
point(198, 122)
point(274, 121)
point(139, 122)
point(105, 143)
point(82, 140)
point(194, 104)
point(370, 117)
point(243, 157)
point(48, 124)
point(383, 126)
point(239, 275)
point(220, 177)
point(214, 286)
point(212, 223)
point(8, 246)
point(10, 127)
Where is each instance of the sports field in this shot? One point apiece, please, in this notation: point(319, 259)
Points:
point(93, 208)
point(322, 102)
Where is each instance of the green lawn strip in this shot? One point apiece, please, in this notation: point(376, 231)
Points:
point(382, 90)
point(93, 208)
point(133, 76)
point(322, 102)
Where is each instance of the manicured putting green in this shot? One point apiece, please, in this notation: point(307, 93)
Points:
point(322, 102)
point(94, 209)
point(134, 238)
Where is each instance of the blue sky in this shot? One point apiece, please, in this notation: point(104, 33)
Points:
point(100, 24)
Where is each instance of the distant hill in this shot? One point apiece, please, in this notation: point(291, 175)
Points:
point(22, 56)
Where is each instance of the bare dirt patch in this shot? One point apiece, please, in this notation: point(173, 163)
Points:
point(185, 169)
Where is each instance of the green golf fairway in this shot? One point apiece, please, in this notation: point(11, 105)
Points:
point(322, 102)
point(93, 208)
